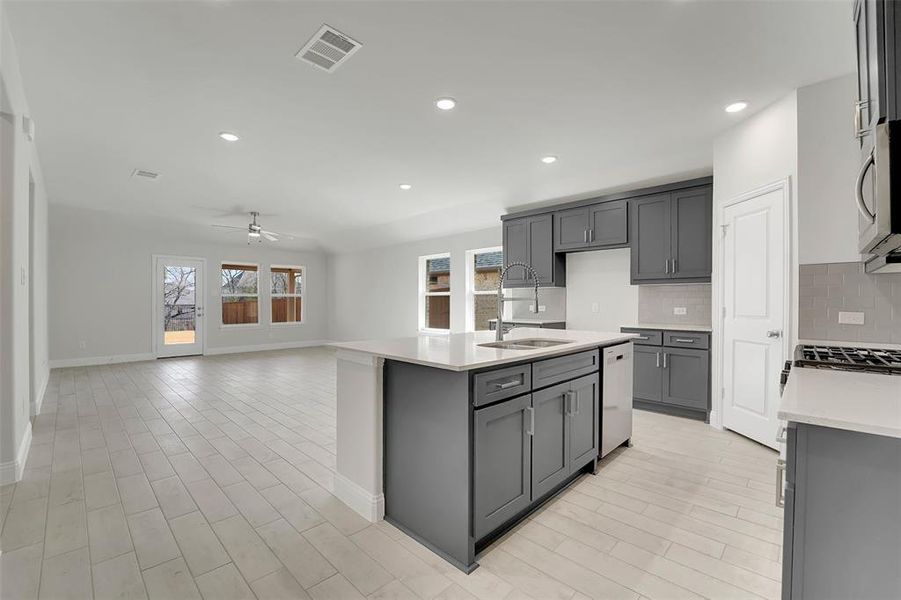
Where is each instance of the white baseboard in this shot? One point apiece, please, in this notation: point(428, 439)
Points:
point(264, 347)
point(11, 471)
point(370, 506)
point(39, 397)
point(90, 361)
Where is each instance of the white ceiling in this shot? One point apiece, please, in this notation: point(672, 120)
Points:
point(622, 92)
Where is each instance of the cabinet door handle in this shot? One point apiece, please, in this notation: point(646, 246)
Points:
point(684, 340)
point(664, 360)
point(666, 265)
point(780, 476)
point(658, 360)
point(578, 403)
point(585, 236)
point(508, 384)
point(674, 265)
point(859, 131)
point(780, 436)
point(590, 235)
point(858, 187)
point(530, 420)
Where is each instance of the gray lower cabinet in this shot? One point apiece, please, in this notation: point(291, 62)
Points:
point(686, 377)
point(531, 240)
point(503, 467)
point(672, 378)
point(671, 236)
point(466, 454)
point(842, 526)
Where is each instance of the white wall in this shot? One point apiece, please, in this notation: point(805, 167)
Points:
point(600, 277)
point(374, 293)
point(828, 158)
point(20, 320)
point(101, 281)
point(760, 150)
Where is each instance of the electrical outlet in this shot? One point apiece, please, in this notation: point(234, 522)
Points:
point(595, 307)
point(679, 310)
point(82, 344)
point(850, 318)
point(542, 308)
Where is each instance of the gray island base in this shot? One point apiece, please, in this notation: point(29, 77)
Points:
point(469, 450)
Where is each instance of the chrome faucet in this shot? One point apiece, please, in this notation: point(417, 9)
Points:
point(501, 298)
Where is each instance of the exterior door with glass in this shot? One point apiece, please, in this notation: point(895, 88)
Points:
point(178, 306)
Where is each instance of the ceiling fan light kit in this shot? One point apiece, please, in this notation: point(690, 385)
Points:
point(254, 230)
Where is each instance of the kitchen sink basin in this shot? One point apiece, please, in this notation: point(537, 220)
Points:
point(525, 344)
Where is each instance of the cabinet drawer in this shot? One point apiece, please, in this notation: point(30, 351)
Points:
point(554, 370)
point(503, 383)
point(686, 339)
point(647, 337)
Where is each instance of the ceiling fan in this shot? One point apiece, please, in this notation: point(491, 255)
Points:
point(255, 231)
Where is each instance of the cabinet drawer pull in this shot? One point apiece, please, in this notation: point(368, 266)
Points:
point(508, 384)
point(643, 337)
point(684, 340)
point(530, 420)
point(780, 476)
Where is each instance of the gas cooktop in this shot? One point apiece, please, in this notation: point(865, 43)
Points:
point(870, 360)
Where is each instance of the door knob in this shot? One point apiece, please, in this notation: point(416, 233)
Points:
point(774, 333)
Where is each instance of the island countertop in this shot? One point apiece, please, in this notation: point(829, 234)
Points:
point(462, 352)
point(864, 402)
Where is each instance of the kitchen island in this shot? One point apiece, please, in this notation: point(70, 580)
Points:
point(453, 440)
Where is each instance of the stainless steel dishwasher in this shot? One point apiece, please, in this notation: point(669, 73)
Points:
point(616, 399)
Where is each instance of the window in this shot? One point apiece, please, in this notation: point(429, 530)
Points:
point(240, 294)
point(287, 294)
point(434, 293)
point(483, 270)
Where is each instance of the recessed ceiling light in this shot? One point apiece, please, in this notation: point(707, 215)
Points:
point(445, 103)
point(548, 159)
point(736, 107)
point(228, 136)
point(405, 186)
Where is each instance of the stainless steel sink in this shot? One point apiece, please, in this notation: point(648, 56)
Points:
point(525, 344)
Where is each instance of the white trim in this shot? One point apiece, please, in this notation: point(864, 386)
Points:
point(89, 361)
point(38, 400)
point(718, 281)
point(243, 325)
point(370, 506)
point(265, 347)
point(303, 292)
point(220, 295)
point(156, 317)
point(11, 471)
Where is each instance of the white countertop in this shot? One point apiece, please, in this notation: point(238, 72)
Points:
point(865, 402)
point(461, 351)
point(672, 327)
point(528, 321)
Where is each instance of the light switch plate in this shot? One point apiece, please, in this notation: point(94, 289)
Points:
point(850, 318)
point(595, 307)
point(542, 308)
point(679, 310)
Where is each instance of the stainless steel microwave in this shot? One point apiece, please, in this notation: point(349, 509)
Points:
point(878, 195)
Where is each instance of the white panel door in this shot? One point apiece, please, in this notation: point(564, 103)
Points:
point(178, 306)
point(754, 258)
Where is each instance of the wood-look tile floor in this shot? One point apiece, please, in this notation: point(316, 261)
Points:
point(211, 478)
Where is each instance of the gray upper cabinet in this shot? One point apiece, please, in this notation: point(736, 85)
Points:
point(531, 240)
point(550, 452)
point(502, 463)
point(602, 225)
point(878, 38)
point(671, 236)
point(651, 238)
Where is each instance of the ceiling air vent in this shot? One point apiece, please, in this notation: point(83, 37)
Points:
point(142, 174)
point(328, 49)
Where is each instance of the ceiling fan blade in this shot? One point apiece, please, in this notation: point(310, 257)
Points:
point(230, 227)
point(284, 235)
point(269, 236)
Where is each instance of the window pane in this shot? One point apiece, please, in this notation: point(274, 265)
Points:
point(286, 280)
point(279, 282)
point(286, 309)
point(487, 270)
point(485, 307)
point(437, 312)
point(239, 310)
point(178, 305)
point(437, 272)
point(239, 279)
point(298, 281)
